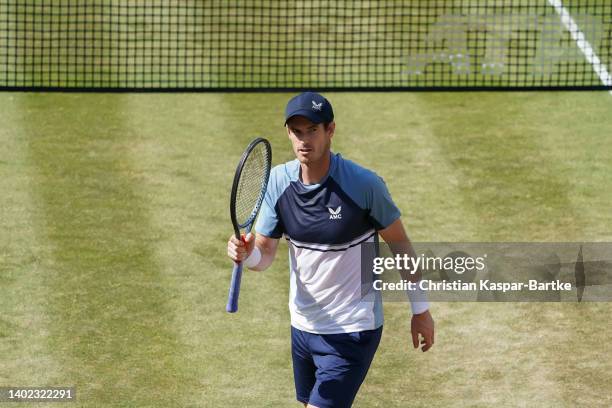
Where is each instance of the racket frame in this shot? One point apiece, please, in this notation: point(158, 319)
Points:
point(237, 226)
point(234, 291)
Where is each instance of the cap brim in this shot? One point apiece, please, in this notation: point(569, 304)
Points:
point(308, 114)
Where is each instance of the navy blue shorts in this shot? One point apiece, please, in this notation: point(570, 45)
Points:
point(329, 368)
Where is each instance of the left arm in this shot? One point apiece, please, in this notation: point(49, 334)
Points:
point(422, 323)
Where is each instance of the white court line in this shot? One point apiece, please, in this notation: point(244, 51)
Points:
point(586, 48)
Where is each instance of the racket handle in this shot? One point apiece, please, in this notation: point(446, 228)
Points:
point(234, 291)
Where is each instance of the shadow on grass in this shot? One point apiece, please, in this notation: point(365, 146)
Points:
point(111, 327)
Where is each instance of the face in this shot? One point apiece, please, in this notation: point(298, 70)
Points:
point(311, 141)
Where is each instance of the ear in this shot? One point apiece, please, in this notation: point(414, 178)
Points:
point(331, 129)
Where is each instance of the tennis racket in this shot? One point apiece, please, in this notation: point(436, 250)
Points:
point(248, 192)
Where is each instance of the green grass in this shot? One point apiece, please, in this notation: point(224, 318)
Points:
point(113, 274)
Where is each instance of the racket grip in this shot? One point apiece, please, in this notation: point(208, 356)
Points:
point(234, 290)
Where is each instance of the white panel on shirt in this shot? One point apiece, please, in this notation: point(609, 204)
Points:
point(325, 295)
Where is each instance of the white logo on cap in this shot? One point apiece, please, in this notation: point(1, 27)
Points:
point(317, 106)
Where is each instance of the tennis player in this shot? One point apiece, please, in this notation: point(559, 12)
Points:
point(325, 206)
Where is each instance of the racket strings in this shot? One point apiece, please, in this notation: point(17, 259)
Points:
point(251, 184)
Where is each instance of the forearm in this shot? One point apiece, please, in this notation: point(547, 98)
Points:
point(417, 297)
point(402, 248)
point(259, 260)
point(396, 238)
point(267, 252)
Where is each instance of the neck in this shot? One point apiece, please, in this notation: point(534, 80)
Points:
point(313, 173)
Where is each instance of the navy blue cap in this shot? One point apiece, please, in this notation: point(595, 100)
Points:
point(312, 106)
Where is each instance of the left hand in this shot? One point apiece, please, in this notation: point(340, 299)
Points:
point(422, 324)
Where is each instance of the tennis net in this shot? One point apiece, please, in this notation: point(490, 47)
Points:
point(258, 45)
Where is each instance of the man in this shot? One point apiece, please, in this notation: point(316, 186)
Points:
point(326, 206)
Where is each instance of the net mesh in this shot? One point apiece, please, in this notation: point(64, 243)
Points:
point(315, 44)
point(251, 184)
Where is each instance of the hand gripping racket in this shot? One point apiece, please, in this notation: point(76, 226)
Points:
point(248, 192)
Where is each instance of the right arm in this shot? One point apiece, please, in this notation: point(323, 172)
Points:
point(238, 251)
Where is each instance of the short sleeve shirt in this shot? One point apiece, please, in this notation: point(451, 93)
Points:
point(324, 225)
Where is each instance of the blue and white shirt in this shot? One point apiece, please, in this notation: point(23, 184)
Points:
point(324, 224)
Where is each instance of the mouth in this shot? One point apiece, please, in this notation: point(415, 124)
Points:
point(304, 150)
